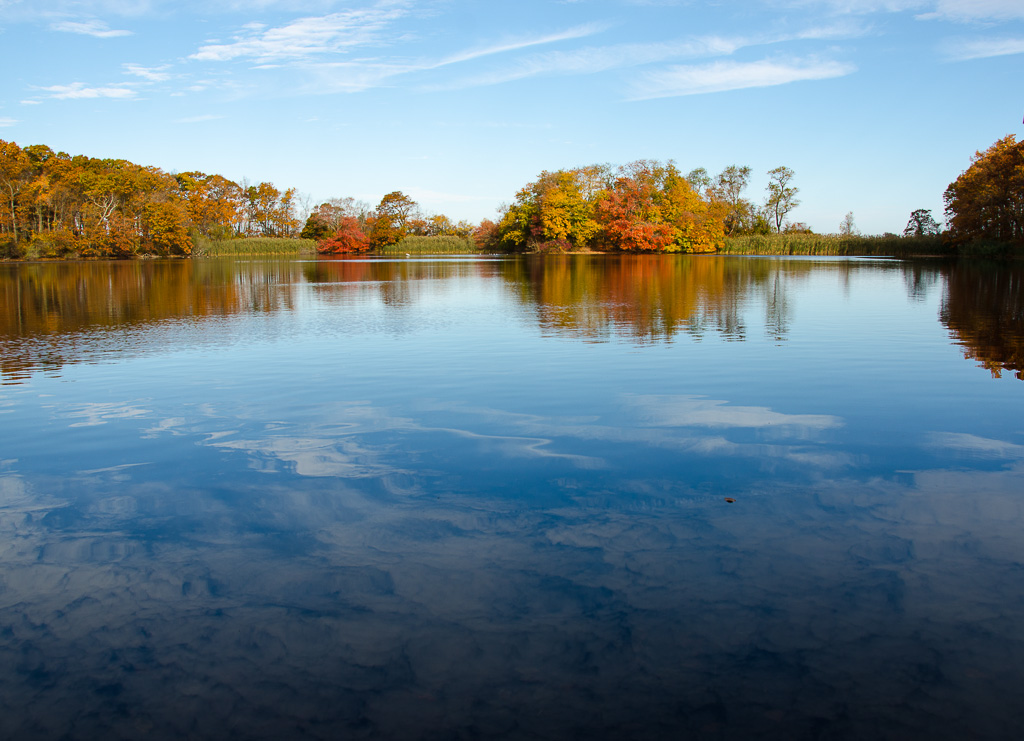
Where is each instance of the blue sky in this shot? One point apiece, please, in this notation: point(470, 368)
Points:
point(877, 105)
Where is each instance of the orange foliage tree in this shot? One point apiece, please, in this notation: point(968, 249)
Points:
point(60, 205)
point(214, 205)
point(651, 207)
point(631, 215)
point(15, 176)
point(269, 212)
point(986, 202)
point(390, 222)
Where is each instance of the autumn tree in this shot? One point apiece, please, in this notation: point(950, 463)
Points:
point(316, 226)
point(327, 218)
point(38, 195)
point(136, 210)
point(566, 208)
point(390, 219)
point(163, 228)
point(556, 209)
point(106, 209)
point(269, 212)
point(987, 201)
point(781, 196)
point(651, 207)
point(285, 222)
point(49, 200)
point(439, 225)
point(15, 175)
point(486, 235)
point(348, 237)
point(921, 224)
point(515, 222)
point(213, 204)
point(631, 214)
point(62, 204)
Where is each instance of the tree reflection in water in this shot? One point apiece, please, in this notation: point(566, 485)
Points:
point(59, 313)
point(983, 307)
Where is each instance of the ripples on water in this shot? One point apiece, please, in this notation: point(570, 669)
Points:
point(465, 499)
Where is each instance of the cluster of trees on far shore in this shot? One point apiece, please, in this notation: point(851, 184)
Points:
point(346, 225)
point(56, 205)
point(645, 206)
point(64, 205)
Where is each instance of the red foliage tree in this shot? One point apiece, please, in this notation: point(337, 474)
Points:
point(486, 236)
point(349, 238)
point(632, 217)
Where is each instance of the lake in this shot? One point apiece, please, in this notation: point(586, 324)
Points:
point(569, 497)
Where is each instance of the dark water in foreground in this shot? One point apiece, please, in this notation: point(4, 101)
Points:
point(488, 499)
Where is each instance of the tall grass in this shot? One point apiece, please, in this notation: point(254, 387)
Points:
point(887, 245)
point(432, 246)
point(206, 247)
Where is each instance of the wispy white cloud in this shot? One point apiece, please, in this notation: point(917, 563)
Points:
point(152, 74)
point(5, 122)
point(351, 77)
point(80, 90)
point(304, 38)
point(523, 43)
point(842, 29)
point(729, 75)
point(99, 29)
point(360, 75)
point(594, 59)
point(984, 48)
point(311, 45)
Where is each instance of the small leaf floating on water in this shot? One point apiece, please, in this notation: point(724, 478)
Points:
point(730, 500)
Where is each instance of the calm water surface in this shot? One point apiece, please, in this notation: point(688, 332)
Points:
point(451, 499)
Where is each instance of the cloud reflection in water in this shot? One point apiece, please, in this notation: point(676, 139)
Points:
point(466, 612)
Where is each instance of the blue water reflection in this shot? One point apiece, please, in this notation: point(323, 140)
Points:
point(465, 499)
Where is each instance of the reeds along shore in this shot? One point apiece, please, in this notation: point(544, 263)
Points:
point(889, 245)
point(205, 247)
point(432, 246)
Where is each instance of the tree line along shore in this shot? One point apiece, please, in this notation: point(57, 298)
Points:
point(53, 205)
